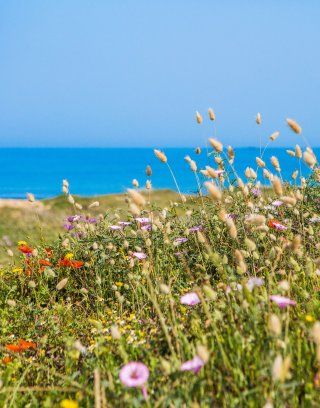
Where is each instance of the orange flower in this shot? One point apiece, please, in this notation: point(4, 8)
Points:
point(49, 251)
point(21, 346)
point(44, 262)
point(70, 263)
point(77, 264)
point(6, 360)
point(275, 224)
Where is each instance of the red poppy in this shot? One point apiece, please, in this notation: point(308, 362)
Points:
point(21, 346)
point(25, 249)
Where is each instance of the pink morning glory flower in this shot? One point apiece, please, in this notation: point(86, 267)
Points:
point(139, 255)
point(135, 374)
point(190, 299)
point(282, 301)
point(194, 365)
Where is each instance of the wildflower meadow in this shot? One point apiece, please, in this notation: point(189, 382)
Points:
point(212, 300)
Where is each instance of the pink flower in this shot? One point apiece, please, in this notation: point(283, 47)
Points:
point(139, 255)
point(124, 223)
point(193, 365)
point(254, 282)
point(143, 220)
point(135, 374)
point(282, 301)
point(190, 299)
point(277, 203)
point(146, 227)
point(115, 227)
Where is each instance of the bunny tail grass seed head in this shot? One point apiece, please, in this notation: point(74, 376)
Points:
point(31, 198)
point(211, 114)
point(198, 118)
point(274, 136)
point(148, 171)
point(137, 198)
point(160, 155)
point(260, 162)
point(216, 145)
point(135, 183)
point(275, 163)
point(298, 152)
point(294, 126)
point(309, 159)
point(277, 186)
point(258, 119)
point(213, 191)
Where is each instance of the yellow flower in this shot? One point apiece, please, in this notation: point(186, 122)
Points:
point(119, 284)
point(67, 403)
point(22, 243)
point(131, 317)
point(69, 255)
point(17, 270)
point(309, 318)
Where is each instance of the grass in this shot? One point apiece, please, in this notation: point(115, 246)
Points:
point(109, 296)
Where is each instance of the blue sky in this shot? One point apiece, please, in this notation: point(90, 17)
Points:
point(132, 72)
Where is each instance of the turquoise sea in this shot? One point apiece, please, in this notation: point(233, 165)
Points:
point(95, 171)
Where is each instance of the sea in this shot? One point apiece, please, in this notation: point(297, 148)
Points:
point(98, 171)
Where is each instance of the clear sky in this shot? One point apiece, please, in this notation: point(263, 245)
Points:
point(133, 72)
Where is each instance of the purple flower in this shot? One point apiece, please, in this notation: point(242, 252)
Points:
point(146, 227)
point(256, 192)
point(135, 374)
point(254, 282)
point(124, 223)
point(73, 218)
point(92, 220)
point(68, 227)
point(277, 203)
point(282, 301)
point(180, 254)
point(180, 240)
point(232, 216)
point(115, 227)
point(196, 228)
point(139, 255)
point(190, 299)
point(143, 220)
point(194, 365)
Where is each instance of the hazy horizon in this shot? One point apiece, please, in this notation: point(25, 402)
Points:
point(132, 74)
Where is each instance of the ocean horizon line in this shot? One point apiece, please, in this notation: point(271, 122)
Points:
point(137, 148)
